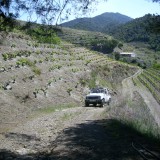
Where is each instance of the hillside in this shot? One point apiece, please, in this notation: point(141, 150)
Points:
point(43, 84)
point(120, 27)
point(92, 40)
point(138, 30)
point(35, 75)
point(101, 23)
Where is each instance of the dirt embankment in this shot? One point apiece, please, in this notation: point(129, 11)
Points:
point(128, 88)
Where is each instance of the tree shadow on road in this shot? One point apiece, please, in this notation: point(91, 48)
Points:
point(95, 140)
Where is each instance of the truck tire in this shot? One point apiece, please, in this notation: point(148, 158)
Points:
point(95, 105)
point(86, 104)
point(102, 103)
point(109, 101)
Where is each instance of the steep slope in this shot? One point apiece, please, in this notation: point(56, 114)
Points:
point(36, 75)
point(92, 40)
point(101, 23)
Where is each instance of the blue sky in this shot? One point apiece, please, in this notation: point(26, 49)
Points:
point(131, 8)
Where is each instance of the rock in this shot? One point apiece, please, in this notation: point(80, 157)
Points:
point(22, 151)
point(31, 77)
point(8, 87)
point(13, 81)
point(2, 69)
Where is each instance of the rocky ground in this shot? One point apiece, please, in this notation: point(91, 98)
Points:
point(75, 133)
point(42, 115)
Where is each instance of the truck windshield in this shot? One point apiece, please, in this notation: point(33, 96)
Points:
point(97, 91)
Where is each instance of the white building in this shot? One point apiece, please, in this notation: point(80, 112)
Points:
point(128, 54)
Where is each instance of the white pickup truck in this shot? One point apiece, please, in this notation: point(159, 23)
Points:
point(98, 96)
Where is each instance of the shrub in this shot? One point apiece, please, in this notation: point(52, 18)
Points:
point(13, 45)
point(44, 35)
point(120, 45)
point(87, 62)
point(36, 70)
point(69, 91)
point(105, 46)
point(25, 61)
point(117, 56)
point(38, 52)
point(5, 56)
point(40, 61)
point(83, 82)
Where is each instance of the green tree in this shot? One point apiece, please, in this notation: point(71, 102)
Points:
point(142, 29)
point(105, 46)
point(117, 56)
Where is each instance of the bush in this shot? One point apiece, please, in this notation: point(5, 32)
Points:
point(25, 61)
point(36, 70)
point(5, 56)
point(44, 35)
point(117, 56)
point(120, 45)
point(105, 46)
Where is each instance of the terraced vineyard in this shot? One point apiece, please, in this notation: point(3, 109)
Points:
point(80, 36)
point(37, 75)
point(53, 64)
point(150, 78)
point(91, 40)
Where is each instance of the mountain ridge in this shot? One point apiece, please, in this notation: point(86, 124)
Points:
point(138, 30)
point(107, 20)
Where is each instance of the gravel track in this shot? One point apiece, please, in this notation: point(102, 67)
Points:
point(74, 133)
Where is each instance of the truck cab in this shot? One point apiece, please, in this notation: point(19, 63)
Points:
point(98, 96)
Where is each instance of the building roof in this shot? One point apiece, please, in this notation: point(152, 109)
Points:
point(127, 53)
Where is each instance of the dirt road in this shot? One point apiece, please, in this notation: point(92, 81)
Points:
point(76, 133)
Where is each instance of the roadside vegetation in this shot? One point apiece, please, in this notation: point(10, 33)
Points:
point(51, 109)
point(136, 115)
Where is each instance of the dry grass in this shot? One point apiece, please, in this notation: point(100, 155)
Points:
point(135, 113)
point(55, 108)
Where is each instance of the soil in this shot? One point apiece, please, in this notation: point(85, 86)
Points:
point(75, 133)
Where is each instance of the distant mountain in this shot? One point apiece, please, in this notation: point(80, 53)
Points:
point(138, 30)
point(102, 23)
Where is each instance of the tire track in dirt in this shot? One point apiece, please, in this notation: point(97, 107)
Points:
point(44, 129)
